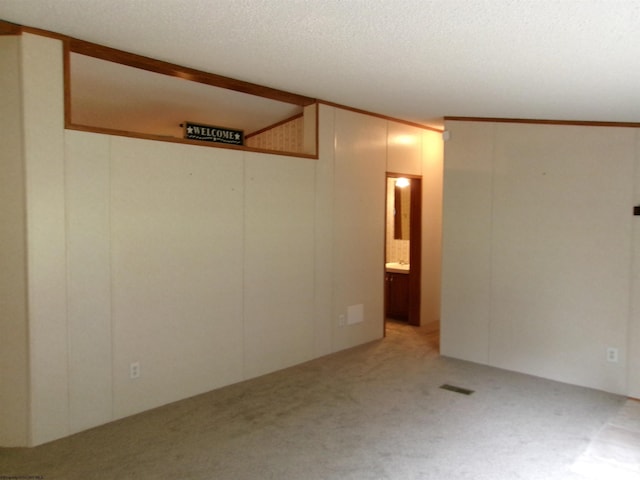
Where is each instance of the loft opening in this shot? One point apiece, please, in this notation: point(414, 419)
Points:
point(115, 92)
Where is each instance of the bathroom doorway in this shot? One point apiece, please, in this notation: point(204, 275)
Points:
point(403, 248)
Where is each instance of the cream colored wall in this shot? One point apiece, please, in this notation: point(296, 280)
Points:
point(197, 263)
point(324, 207)
point(46, 239)
point(279, 263)
point(209, 275)
point(633, 340)
point(14, 387)
point(466, 249)
point(89, 308)
point(415, 151)
point(207, 266)
point(432, 171)
point(537, 249)
point(310, 127)
point(404, 149)
point(177, 264)
point(358, 228)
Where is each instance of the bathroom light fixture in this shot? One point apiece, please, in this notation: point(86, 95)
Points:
point(402, 182)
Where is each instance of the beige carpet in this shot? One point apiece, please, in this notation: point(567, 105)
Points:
point(614, 453)
point(372, 412)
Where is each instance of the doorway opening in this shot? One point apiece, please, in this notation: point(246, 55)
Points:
point(403, 248)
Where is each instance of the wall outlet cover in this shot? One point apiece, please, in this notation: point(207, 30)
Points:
point(134, 370)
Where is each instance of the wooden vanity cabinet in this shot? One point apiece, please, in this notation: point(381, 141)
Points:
point(397, 295)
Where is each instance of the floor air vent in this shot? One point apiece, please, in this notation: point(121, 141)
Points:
point(452, 388)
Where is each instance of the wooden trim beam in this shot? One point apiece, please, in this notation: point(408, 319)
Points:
point(415, 252)
point(384, 117)
point(66, 63)
point(8, 28)
point(581, 123)
point(185, 141)
point(125, 58)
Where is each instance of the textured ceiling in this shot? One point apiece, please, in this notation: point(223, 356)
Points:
point(414, 59)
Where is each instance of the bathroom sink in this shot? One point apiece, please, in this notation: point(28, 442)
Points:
point(396, 267)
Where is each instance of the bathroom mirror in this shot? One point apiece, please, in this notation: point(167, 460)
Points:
point(402, 206)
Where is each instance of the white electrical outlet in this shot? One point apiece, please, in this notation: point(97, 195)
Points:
point(134, 370)
point(612, 354)
point(342, 321)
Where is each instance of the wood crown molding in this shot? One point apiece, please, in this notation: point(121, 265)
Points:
point(581, 123)
point(8, 28)
point(185, 141)
point(378, 115)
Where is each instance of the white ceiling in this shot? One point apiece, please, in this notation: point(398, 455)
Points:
point(418, 60)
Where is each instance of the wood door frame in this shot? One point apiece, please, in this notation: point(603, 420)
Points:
point(415, 249)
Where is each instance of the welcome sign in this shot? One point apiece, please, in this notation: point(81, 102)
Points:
point(209, 133)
